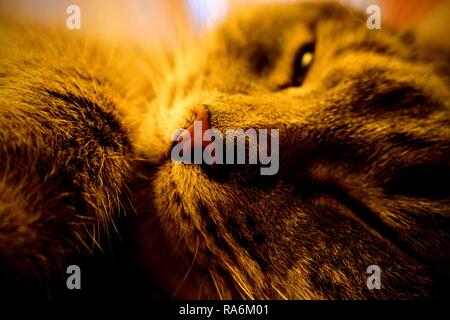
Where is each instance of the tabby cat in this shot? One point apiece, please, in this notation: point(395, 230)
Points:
point(86, 177)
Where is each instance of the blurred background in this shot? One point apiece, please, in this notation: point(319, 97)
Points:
point(149, 21)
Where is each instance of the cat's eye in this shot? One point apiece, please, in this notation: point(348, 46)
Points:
point(303, 62)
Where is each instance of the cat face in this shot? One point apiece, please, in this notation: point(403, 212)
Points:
point(364, 163)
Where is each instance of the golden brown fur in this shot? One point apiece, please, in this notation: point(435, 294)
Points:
point(364, 160)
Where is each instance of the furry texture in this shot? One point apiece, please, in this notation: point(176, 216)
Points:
point(364, 159)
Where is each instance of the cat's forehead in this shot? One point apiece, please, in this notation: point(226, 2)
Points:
point(252, 21)
point(269, 28)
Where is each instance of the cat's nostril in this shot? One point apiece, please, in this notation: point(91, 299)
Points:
point(197, 127)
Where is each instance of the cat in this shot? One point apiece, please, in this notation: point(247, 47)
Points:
point(364, 128)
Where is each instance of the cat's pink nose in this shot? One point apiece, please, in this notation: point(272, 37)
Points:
point(198, 127)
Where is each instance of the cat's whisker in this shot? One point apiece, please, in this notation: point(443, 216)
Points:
point(188, 272)
point(279, 292)
point(241, 284)
point(215, 285)
point(199, 295)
